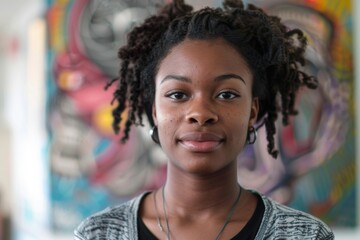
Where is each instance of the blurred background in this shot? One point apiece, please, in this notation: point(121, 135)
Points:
point(60, 161)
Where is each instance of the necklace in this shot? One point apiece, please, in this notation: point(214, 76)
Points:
point(158, 219)
point(167, 233)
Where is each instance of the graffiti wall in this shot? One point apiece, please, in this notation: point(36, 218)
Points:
point(90, 170)
point(316, 168)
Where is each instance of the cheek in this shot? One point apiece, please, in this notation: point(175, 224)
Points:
point(167, 122)
point(165, 114)
point(237, 126)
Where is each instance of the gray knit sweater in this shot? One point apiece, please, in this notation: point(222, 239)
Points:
point(279, 222)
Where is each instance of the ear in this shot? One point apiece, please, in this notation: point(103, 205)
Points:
point(254, 111)
point(154, 116)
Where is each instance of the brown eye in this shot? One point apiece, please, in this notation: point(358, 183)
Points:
point(227, 95)
point(177, 96)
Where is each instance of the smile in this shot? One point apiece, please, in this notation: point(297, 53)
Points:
point(201, 142)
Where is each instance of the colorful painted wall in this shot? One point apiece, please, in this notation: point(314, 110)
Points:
point(91, 170)
point(317, 166)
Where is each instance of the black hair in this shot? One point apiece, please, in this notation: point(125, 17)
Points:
point(274, 53)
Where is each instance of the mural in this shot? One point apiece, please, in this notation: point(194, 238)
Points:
point(90, 170)
point(316, 168)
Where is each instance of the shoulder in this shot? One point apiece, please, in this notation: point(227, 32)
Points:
point(110, 223)
point(282, 222)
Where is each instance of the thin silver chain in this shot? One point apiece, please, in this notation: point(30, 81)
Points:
point(165, 213)
point(158, 217)
point(167, 233)
point(232, 210)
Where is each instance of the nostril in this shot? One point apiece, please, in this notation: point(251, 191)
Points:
point(210, 120)
point(201, 120)
point(201, 114)
point(192, 120)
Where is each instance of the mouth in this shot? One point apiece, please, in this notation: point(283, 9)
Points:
point(201, 142)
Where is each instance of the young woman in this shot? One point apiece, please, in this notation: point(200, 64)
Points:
point(205, 79)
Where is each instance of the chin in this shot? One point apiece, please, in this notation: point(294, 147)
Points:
point(201, 166)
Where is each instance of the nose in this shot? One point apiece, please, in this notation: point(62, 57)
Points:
point(201, 112)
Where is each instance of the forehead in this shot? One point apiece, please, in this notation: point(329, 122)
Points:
point(198, 57)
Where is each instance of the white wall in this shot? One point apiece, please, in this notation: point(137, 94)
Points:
point(5, 190)
point(19, 151)
point(9, 10)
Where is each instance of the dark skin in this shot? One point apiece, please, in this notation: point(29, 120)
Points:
point(203, 109)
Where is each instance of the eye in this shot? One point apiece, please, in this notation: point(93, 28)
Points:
point(227, 95)
point(177, 96)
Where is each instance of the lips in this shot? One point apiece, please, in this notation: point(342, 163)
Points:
point(201, 141)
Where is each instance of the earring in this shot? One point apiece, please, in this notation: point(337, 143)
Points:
point(251, 135)
point(154, 134)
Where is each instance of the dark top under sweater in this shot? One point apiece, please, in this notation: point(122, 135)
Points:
point(248, 232)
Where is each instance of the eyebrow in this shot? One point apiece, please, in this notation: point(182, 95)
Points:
point(217, 79)
point(229, 76)
point(175, 77)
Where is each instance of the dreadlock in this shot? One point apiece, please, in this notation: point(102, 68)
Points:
point(273, 52)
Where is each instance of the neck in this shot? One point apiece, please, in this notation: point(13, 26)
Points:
point(191, 194)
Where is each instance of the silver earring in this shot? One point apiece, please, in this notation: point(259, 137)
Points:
point(154, 134)
point(251, 135)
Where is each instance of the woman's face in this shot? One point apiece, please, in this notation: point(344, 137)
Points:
point(203, 105)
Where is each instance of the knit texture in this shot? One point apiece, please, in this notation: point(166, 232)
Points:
point(279, 222)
